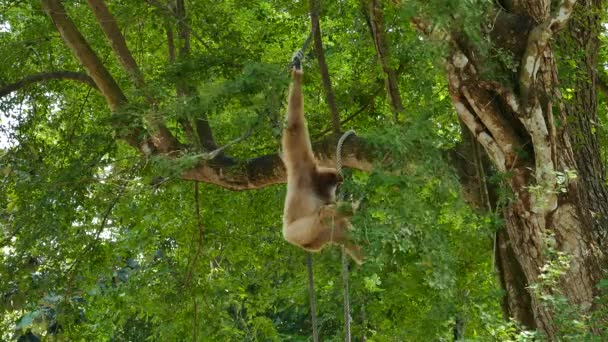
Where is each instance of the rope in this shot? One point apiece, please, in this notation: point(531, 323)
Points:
point(311, 290)
point(339, 149)
point(298, 57)
point(345, 277)
point(346, 295)
point(296, 61)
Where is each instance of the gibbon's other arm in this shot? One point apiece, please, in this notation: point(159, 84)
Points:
point(296, 142)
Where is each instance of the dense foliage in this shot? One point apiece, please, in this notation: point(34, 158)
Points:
point(101, 243)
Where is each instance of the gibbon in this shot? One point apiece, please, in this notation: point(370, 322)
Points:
point(311, 217)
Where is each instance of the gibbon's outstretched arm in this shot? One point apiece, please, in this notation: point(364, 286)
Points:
point(295, 135)
point(311, 218)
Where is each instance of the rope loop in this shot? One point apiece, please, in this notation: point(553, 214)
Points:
point(339, 149)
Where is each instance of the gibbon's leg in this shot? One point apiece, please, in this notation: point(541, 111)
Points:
point(337, 235)
point(334, 229)
point(296, 142)
point(302, 231)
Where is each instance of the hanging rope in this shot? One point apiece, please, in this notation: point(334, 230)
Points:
point(311, 290)
point(346, 295)
point(296, 62)
point(345, 289)
point(339, 149)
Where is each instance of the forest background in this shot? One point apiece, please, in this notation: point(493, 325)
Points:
point(142, 185)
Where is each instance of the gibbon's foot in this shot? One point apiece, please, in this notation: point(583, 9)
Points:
point(355, 253)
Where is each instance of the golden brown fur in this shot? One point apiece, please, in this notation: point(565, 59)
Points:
point(311, 218)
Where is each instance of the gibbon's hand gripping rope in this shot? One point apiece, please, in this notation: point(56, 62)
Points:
point(298, 57)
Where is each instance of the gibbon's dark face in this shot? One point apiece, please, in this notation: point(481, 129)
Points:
point(325, 182)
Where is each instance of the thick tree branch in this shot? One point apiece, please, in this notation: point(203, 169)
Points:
point(268, 170)
point(537, 42)
point(108, 24)
point(486, 109)
point(535, 124)
point(489, 131)
point(85, 55)
point(48, 76)
point(489, 144)
point(506, 93)
point(162, 137)
point(318, 44)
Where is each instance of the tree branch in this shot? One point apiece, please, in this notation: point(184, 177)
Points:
point(318, 44)
point(85, 55)
point(219, 150)
point(206, 139)
point(162, 137)
point(269, 170)
point(108, 24)
point(180, 20)
point(475, 126)
point(48, 76)
point(376, 24)
point(353, 115)
point(544, 170)
point(537, 42)
point(485, 108)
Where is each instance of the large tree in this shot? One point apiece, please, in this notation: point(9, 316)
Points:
point(537, 137)
point(522, 78)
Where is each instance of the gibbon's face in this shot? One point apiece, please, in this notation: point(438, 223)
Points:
point(326, 182)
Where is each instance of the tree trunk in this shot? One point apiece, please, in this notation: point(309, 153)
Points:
point(551, 214)
point(583, 35)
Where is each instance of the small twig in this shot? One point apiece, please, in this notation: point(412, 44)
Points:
point(100, 229)
point(171, 13)
point(359, 111)
point(199, 245)
point(216, 152)
point(84, 102)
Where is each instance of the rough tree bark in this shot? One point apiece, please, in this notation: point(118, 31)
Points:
point(510, 119)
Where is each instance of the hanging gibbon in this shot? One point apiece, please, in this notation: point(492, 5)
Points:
point(311, 217)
